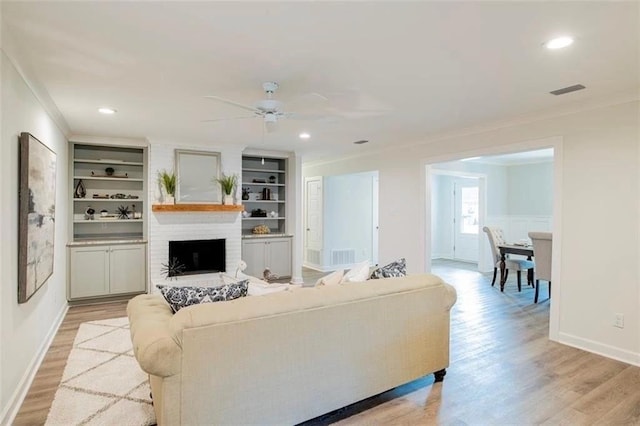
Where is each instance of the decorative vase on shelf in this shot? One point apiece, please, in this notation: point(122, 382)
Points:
point(228, 200)
point(169, 199)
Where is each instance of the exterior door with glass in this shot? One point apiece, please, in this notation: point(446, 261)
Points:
point(466, 195)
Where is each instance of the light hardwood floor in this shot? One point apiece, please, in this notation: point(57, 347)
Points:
point(503, 369)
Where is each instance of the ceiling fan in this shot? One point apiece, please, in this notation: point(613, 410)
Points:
point(269, 109)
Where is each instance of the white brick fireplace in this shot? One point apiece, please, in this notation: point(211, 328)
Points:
point(178, 226)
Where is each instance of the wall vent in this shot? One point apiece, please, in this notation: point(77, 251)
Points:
point(568, 89)
point(343, 257)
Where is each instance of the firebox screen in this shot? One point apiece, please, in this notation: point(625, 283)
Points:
point(197, 257)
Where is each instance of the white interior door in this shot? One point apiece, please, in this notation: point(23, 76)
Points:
point(466, 219)
point(313, 220)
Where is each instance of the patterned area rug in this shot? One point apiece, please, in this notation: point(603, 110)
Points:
point(102, 383)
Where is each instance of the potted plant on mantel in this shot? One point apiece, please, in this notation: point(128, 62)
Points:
point(168, 183)
point(228, 184)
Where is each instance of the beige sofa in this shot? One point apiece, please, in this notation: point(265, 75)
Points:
point(287, 357)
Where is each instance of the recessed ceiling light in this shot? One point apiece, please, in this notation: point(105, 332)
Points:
point(361, 142)
point(304, 135)
point(105, 110)
point(559, 42)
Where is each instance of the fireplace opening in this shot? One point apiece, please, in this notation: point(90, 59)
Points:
point(197, 257)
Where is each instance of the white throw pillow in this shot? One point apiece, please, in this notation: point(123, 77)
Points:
point(358, 273)
point(256, 289)
point(331, 279)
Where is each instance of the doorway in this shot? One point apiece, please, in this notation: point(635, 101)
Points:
point(457, 215)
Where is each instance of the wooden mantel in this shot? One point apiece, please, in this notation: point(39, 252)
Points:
point(196, 208)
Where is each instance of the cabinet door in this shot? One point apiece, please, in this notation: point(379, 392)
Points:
point(279, 256)
point(89, 272)
point(127, 269)
point(253, 253)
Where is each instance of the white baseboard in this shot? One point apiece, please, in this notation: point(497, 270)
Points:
point(15, 402)
point(598, 348)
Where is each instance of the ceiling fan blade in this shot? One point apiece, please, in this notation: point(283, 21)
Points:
point(230, 118)
point(227, 101)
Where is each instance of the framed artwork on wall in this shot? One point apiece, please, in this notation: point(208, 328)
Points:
point(36, 221)
point(196, 173)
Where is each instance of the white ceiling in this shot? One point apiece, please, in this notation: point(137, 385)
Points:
point(393, 73)
point(527, 157)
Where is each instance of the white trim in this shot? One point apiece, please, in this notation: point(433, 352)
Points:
point(554, 142)
point(598, 348)
point(16, 400)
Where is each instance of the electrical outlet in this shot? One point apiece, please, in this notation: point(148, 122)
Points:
point(618, 320)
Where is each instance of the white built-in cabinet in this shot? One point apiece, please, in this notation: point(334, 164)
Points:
point(107, 246)
point(266, 194)
point(267, 252)
point(106, 270)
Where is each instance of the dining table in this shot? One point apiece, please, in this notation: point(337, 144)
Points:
point(521, 249)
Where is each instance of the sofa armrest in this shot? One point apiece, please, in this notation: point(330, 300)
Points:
point(154, 346)
point(451, 296)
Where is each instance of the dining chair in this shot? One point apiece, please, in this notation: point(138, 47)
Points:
point(496, 238)
point(542, 252)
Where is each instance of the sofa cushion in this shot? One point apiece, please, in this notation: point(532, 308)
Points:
point(393, 269)
point(331, 279)
point(181, 297)
point(358, 273)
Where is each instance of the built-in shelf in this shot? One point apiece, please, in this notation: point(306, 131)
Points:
point(264, 218)
point(121, 179)
point(262, 170)
point(263, 201)
point(263, 184)
point(114, 162)
point(100, 220)
point(196, 208)
point(110, 200)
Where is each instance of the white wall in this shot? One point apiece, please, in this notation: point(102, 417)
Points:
point(27, 328)
point(441, 216)
point(348, 216)
point(530, 189)
point(600, 194)
point(165, 227)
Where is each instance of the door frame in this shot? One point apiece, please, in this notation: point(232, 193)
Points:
point(555, 142)
point(482, 213)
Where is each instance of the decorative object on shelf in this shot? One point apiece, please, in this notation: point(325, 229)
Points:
point(266, 194)
point(123, 212)
point(259, 181)
point(88, 213)
point(242, 265)
point(245, 213)
point(269, 276)
point(261, 229)
point(168, 183)
point(272, 179)
point(135, 214)
point(124, 176)
point(258, 213)
point(37, 202)
point(245, 193)
point(104, 213)
point(228, 185)
point(80, 191)
point(273, 214)
point(101, 196)
point(172, 269)
point(109, 171)
point(118, 196)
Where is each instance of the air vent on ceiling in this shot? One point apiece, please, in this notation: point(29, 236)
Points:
point(567, 89)
point(361, 142)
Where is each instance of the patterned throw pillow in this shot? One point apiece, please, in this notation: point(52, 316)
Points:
point(394, 269)
point(181, 297)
